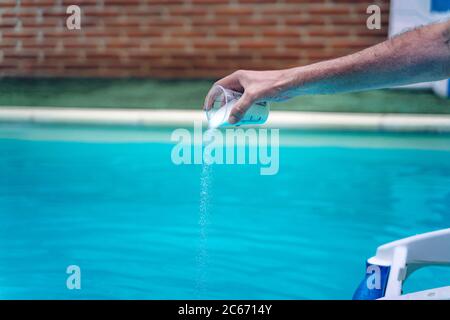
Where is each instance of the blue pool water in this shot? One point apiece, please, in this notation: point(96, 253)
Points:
point(130, 219)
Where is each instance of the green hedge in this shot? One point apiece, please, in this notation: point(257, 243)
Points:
point(159, 94)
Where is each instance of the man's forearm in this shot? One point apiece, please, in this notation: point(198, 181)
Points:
point(416, 56)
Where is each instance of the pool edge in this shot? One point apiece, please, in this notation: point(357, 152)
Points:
point(186, 118)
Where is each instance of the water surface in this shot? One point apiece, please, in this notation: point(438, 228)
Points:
point(130, 218)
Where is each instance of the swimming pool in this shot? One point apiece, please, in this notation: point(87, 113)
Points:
point(111, 201)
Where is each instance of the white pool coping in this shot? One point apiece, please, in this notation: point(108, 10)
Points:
point(186, 118)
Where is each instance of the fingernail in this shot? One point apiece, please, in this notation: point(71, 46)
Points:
point(232, 120)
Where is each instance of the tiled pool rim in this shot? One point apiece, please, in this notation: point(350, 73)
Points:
point(186, 118)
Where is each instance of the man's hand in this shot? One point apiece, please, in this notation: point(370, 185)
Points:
point(255, 86)
point(417, 56)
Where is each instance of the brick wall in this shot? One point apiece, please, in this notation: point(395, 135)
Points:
point(176, 38)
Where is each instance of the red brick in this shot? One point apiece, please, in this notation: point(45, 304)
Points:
point(178, 38)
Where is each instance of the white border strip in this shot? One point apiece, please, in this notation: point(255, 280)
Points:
point(185, 118)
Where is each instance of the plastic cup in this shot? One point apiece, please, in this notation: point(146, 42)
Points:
point(219, 103)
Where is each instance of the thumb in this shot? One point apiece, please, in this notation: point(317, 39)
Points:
point(240, 108)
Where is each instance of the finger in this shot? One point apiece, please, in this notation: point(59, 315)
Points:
point(231, 82)
point(240, 108)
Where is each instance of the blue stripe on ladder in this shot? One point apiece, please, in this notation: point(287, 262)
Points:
point(440, 5)
point(448, 88)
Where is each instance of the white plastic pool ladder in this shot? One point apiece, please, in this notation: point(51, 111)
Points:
point(395, 261)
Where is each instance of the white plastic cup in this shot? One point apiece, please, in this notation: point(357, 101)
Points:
point(222, 101)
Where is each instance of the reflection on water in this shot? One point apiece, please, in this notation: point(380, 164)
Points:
point(130, 219)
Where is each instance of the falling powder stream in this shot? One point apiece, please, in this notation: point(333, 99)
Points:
point(205, 206)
